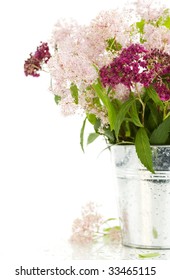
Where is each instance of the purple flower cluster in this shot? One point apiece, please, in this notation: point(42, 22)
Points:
point(159, 61)
point(162, 90)
point(126, 68)
point(134, 65)
point(34, 63)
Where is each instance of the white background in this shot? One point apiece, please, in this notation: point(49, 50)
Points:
point(44, 176)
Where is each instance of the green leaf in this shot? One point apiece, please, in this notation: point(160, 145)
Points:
point(149, 255)
point(113, 45)
point(160, 135)
point(107, 103)
point(154, 96)
point(154, 116)
point(97, 125)
point(57, 99)
point(140, 26)
point(143, 149)
point(121, 114)
point(110, 219)
point(92, 137)
point(134, 115)
point(110, 135)
point(117, 228)
point(167, 22)
point(167, 115)
point(117, 104)
point(151, 122)
point(164, 19)
point(155, 233)
point(91, 118)
point(74, 92)
point(82, 134)
point(108, 229)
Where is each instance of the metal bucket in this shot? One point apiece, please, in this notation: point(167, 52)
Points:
point(143, 197)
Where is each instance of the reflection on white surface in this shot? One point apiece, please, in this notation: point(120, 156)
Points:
point(101, 251)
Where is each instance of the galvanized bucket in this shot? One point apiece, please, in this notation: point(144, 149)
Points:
point(143, 197)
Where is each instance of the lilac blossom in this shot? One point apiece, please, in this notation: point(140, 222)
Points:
point(121, 92)
point(126, 68)
point(62, 30)
point(136, 65)
point(33, 65)
point(107, 24)
point(85, 228)
point(149, 10)
point(162, 35)
point(159, 63)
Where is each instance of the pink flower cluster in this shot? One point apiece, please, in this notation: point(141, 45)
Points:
point(79, 51)
point(34, 64)
point(87, 229)
point(150, 10)
point(84, 229)
point(156, 37)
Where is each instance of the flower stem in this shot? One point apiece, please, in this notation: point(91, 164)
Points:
point(143, 109)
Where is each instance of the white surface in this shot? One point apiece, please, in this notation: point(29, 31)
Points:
point(44, 176)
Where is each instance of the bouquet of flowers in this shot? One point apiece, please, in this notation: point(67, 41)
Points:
point(116, 71)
